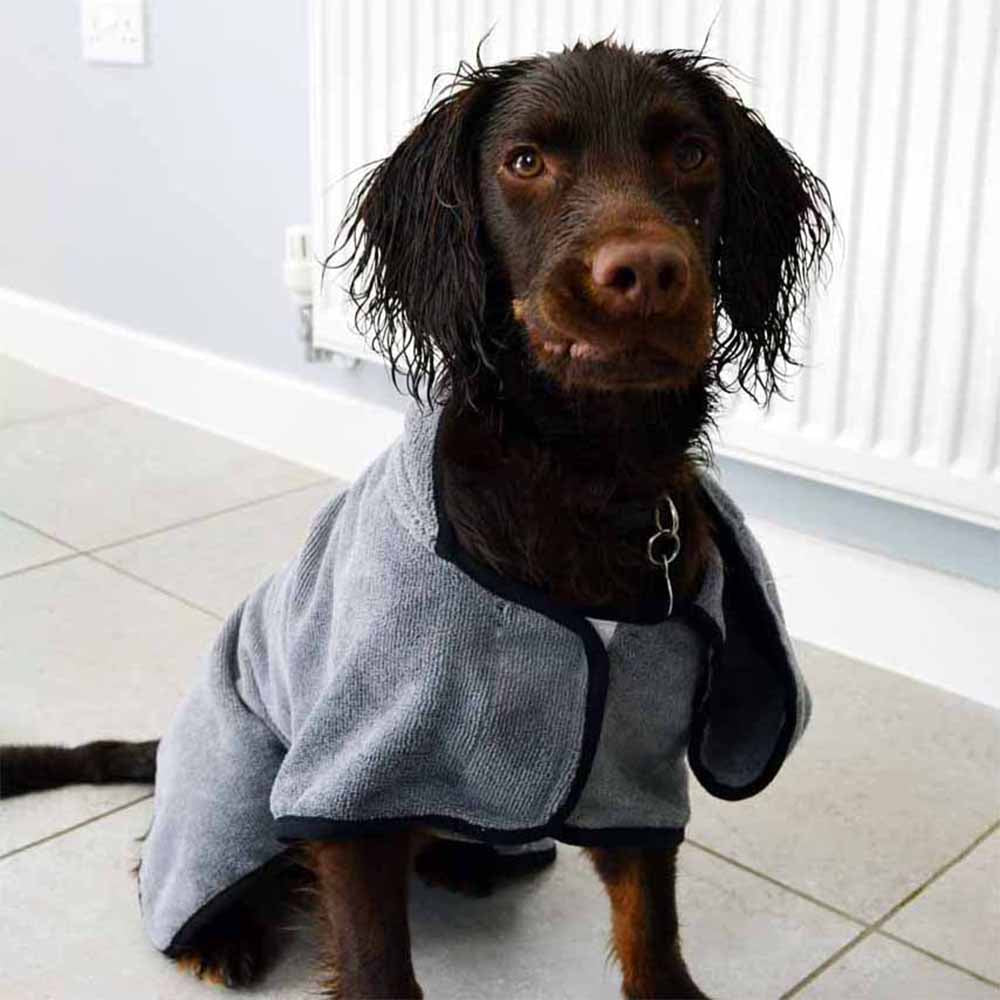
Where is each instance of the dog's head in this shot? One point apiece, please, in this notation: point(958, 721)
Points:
point(617, 219)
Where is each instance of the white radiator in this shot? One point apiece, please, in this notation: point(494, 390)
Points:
point(893, 102)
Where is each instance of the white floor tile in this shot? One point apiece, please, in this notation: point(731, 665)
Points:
point(881, 969)
point(216, 562)
point(29, 394)
point(21, 547)
point(958, 916)
point(105, 475)
point(71, 922)
point(891, 781)
point(743, 937)
point(86, 653)
point(27, 819)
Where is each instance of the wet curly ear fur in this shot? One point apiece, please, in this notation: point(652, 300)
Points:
point(776, 224)
point(413, 240)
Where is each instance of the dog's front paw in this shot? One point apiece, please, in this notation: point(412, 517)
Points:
point(476, 869)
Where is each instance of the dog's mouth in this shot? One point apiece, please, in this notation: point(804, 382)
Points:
point(580, 353)
point(578, 350)
point(580, 359)
point(585, 364)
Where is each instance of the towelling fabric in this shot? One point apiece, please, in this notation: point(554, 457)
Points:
point(384, 679)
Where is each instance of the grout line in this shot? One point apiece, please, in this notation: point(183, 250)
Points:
point(777, 882)
point(94, 553)
point(39, 565)
point(37, 530)
point(75, 826)
point(939, 958)
point(891, 912)
point(823, 966)
point(207, 517)
point(82, 554)
point(77, 551)
point(961, 856)
point(154, 586)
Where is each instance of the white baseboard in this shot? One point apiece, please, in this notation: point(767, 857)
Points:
point(321, 428)
point(930, 626)
point(934, 627)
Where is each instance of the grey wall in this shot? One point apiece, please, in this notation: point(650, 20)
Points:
point(157, 196)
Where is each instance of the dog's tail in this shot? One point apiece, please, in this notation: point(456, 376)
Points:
point(33, 768)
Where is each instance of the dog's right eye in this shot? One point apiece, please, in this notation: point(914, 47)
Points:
point(689, 154)
point(525, 162)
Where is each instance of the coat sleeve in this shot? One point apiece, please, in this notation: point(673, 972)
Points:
point(216, 765)
point(754, 704)
point(212, 824)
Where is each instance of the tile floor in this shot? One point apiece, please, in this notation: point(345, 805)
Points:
point(870, 869)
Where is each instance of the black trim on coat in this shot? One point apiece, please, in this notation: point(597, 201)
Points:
point(622, 836)
point(221, 901)
point(292, 829)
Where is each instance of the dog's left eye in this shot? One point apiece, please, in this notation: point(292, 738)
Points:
point(525, 162)
point(689, 154)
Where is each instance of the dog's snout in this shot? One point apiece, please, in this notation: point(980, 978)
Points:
point(644, 276)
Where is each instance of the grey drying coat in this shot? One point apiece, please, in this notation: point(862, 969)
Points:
point(384, 679)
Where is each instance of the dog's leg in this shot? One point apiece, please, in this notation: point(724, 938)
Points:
point(362, 887)
point(640, 885)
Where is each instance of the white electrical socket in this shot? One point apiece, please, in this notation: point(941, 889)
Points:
point(299, 264)
point(113, 31)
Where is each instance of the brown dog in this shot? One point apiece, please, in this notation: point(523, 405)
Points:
point(572, 256)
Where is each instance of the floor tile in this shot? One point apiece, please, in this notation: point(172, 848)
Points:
point(743, 937)
point(958, 916)
point(881, 969)
point(746, 938)
point(217, 561)
point(28, 819)
point(86, 653)
point(892, 780)
point(105, 475)
point(90, 944)
point(21, 547)
point(27, 393)
point(544, 938)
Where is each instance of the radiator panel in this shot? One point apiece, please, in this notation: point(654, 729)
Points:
point(893, 102)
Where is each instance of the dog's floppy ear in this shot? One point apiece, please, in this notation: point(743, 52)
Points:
point(776, 225)
point(413, 242)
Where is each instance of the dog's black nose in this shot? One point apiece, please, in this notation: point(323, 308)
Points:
point(642, 276)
